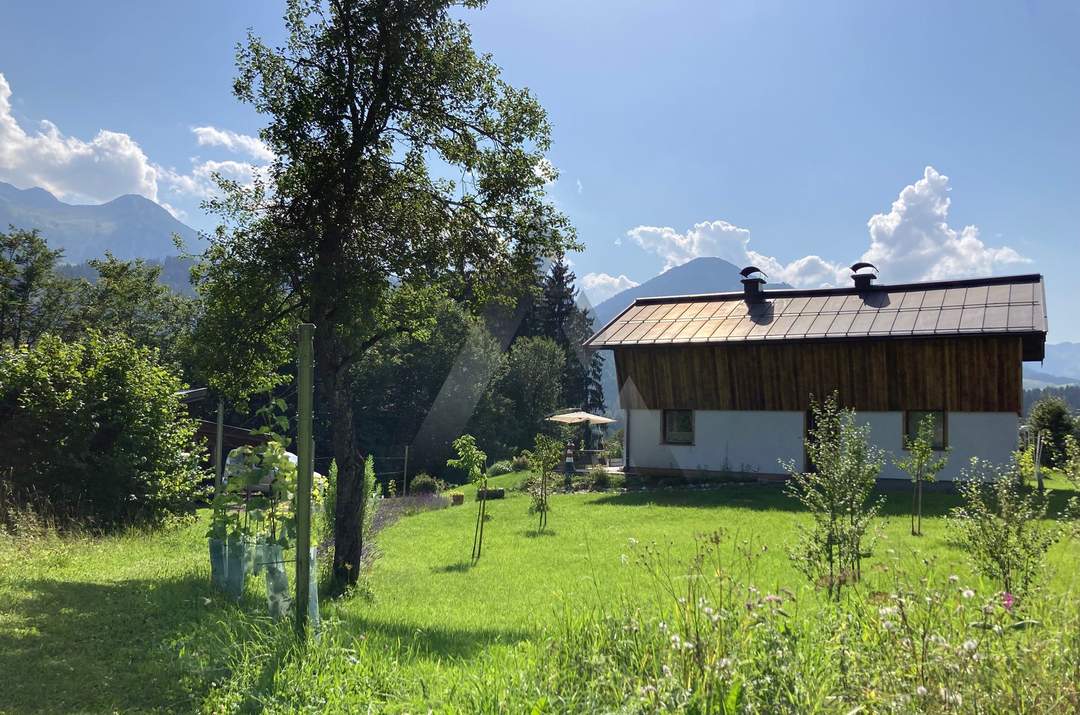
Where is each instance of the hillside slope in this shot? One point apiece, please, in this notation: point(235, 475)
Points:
point(129, 226)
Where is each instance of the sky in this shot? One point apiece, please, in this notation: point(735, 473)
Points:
point(936, 140)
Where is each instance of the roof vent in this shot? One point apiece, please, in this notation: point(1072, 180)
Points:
point(753, 280)
point(864, 274)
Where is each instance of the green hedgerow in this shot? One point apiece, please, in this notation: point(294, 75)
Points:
point(96, 426)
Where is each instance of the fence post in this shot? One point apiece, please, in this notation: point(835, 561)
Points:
point(405, 474)
point(305, 467)
point(219, 446)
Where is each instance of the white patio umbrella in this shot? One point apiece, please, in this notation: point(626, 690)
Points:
point(577, 418)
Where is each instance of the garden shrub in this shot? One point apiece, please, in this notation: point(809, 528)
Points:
point(1001, 527)
point(520, 463)
point(503, 466)
point(95, 425)
point(837, 493)
point(598, 479)
point(424, 483)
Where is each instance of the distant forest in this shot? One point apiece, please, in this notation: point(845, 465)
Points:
point(175, 273)
point(1069, 393)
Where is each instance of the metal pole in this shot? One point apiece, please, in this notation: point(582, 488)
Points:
point(305, 467)
point(405, 477)
point(219, 459)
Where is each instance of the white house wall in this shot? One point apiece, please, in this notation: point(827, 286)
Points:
point(758, 442)
point(729, 441)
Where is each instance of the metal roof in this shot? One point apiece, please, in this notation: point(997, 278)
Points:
point(980, 306)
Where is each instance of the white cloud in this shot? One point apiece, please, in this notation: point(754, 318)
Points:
point(580, 188)
point(601, 286)
point(112, 163)
point(915, 242)
point(109, 165)
point(240, 143)
point(912, 242)
point(546, 171)
point(200, 182)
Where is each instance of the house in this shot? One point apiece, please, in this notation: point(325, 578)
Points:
point(722, 383)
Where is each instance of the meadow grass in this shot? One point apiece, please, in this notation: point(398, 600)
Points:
point(129, 622)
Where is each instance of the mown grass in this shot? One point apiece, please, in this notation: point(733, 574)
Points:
point(129, 623)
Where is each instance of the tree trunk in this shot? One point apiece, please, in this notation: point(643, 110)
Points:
point(920, 507)
point(914, 504)
point(334, 395)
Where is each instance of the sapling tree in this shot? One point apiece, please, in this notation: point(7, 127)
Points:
point(1002, 526)
point(544, 460)
point(471, 459)
point(838, 494)
point(922, 465)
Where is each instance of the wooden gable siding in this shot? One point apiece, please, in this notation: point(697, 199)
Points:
point(976, 374)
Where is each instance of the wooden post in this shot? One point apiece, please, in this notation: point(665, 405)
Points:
point(219, 457)
point(305, 467)
point(405, 475)
point(1038, 460)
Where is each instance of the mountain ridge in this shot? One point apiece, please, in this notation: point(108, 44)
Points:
point(129, 226)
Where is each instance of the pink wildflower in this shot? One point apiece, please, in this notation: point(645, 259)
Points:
point(1007, 600)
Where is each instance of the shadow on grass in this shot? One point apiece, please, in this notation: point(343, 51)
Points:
point(89, 647)
point(533, 533)
point(773, 497)
point(432, 642)
point(458, 567)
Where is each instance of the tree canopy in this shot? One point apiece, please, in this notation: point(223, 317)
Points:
point(403, 160)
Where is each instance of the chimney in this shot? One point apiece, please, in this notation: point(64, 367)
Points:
point(753, 280)
point(864, 275)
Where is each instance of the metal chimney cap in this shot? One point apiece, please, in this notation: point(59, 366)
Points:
point(855, 268)
point(750, 270)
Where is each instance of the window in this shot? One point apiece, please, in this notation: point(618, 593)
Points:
point(911, 427)
point(678, 427)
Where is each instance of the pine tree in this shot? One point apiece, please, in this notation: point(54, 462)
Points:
point(557, 315)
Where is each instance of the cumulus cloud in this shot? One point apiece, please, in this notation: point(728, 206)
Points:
point(601, 286)
point(107, 166)
point(112, 163)
point(234, 141)
point(200, 182)
point(913, 241)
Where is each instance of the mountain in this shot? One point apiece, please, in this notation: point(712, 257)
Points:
point(130, 226)
point(1036, 379)
point(701, 275)
point(1063, 359)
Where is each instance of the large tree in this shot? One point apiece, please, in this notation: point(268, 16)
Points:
point(403, 159)
point(558, 315)
point(34, 300)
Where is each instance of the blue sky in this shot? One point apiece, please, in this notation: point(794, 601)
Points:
point(781, 133)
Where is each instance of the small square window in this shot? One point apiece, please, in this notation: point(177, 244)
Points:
point(912, 418)
point(678, 427)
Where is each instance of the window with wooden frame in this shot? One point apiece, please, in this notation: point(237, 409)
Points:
point(678, 427)
point(912, 418)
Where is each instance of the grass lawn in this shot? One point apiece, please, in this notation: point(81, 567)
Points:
point(101, 625)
